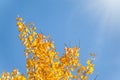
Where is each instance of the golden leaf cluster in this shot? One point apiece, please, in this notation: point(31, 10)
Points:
point(42, 60)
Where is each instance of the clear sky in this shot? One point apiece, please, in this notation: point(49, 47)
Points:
point(95, 23)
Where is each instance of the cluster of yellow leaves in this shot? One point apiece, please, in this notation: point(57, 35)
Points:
point(14, 75)
point(42, 60)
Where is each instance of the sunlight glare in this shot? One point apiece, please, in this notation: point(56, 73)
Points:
point(111, 5)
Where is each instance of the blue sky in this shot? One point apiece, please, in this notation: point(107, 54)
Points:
point(95, 23)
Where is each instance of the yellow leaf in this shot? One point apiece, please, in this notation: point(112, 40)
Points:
point(88, 61)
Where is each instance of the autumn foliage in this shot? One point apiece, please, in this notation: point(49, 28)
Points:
point(42, 60)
